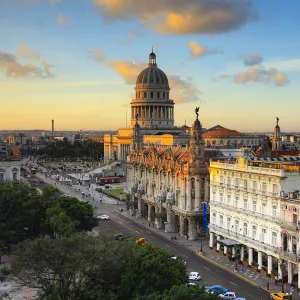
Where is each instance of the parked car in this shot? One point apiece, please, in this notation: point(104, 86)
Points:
point(103, 217)
point(218, 289)
point(228, 296)
point(194, 276)
point(121, 236)
point(279, 296)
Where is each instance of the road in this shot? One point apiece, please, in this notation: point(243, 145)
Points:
point(210, 273)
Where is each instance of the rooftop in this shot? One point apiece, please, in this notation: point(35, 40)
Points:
point(220, 131)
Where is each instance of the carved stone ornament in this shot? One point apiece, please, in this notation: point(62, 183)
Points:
point(170, 197)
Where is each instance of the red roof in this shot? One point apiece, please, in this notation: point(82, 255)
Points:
point(219, 131)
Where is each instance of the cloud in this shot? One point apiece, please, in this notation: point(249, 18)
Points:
point(262, 75)
point(290, 65)
point(15, 69)
point(61, 20)
point(98, 55)
point(180, 17)
point(199, 51)
point(252, 59)
point(25, 52)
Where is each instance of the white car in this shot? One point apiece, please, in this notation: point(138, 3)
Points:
point(103, 217)
point(228, 296)
point(194, 276)
point(174, 257)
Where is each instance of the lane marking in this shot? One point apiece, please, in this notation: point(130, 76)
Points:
point(152, 236)
point(207, 269)
point(233, 283)
point(185, 256)
point(167, 245)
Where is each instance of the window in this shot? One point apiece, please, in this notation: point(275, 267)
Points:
point(245, 185)
point(264, 208)
point(158, 94)
point(236, 225)
point(274, 238)
point(263, 235)
point(214, 196)
point(236, 201)
point(254, 229)
point(1, 177)
point(237, 183)
point(151, 95)
point(254, 186)
point(214, 218)
point(164, 95)
point(145, 94)
point(245, 204)
point(228, 223)
point(221, 198)
point(264, 188)
point(245, 229)
point(228, 181)
point(254, 205)
point(221, 179)
point(229, 199)
point(214, 178)
point(275, 189)
point(221, 222)
point(274, 211)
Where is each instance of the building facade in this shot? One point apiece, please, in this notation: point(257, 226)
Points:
point(169, 185)
point(10, 165)
point(246, 211)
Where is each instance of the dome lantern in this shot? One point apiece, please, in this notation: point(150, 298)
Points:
point(152, 59)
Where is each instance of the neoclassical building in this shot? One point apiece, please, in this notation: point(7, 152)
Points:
point(153, 110)
point(168, 186)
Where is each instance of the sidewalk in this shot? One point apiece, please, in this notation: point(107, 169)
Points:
point(245, 273)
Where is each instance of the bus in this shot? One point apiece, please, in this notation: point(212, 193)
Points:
point(105, 180)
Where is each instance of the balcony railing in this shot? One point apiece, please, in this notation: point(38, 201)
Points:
point(242, 238)
point(290, 255)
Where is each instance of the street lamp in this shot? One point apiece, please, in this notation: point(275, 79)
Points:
point(201, 245)
point(281, 268)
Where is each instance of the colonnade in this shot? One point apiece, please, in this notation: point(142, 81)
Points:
point(156, 112)
point(123, 150)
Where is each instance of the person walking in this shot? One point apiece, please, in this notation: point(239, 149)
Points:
point(276, 280)
point(267, 285)
point(187, 237)
point(149, 223)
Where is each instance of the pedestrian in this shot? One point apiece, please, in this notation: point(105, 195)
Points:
point(187, 237)
point(149, 223)
point(276, 280)
point(267, 285)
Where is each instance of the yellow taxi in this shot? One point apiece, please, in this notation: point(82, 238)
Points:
point(279, 296)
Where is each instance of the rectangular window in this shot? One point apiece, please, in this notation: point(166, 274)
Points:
point(274, 238)
point(245, 204)
point(221, 179)
point(228, 223)
point(263, 235)
point(214, 196)
point(245, 185)
point(228, 181)
point(264, 188)
point(254, 205)
point(221, 198)
point(254, 229)
point(229, 199)
point(236, 225)
point(254, 186)
point(214, 218)
point(236, 201)
point(245, 229)
point(264, 209)
point(221, 222)
point(237, 183)
point(274, 211)
point(214, 178)
point(275, 189)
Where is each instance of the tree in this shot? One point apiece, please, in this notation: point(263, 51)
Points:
point(84, 267)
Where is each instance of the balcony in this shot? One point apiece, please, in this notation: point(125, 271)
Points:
point(289, 225)
point(290, 256)
point(242, 238)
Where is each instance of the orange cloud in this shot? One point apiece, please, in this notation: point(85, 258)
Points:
point(197, 50)
point(25, 52)
point(180, 17)
point(61, 20)
point(98, 54)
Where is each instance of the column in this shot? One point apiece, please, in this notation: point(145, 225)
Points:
point(161, 112)
point(259, 260)
point(279, 268)
point(156, 219)
point(189, 194)
point(233, 251)
point(250, 256)
point(197, 194)
point(242, 253)
point(170, 220)
point(182, 194)
point(149, 213)
point(165, 113)
point(119, 151)
point(192, 228)
point(225, 250)
point(149, 112)
point(211, 240)
point(290, 272)
point(218, 244)
point(269, 264)
point(206, 189)
point(181, 226)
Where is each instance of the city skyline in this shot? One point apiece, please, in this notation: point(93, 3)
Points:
point(77, 64)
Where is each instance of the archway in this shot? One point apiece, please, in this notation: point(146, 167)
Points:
point(164, 215)
point(176, 224)
point(284, 241)
point(152, 214)
point(186, 227)
point(145, 210)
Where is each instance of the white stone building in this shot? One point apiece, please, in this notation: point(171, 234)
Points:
point(246, 210)
point(10, 165)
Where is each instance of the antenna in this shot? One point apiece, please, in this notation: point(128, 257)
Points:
point(126, 118)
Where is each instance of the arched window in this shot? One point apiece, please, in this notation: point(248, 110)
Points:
point(145, 94)
point(151, 95)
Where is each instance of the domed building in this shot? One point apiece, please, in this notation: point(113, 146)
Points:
point(153, 110)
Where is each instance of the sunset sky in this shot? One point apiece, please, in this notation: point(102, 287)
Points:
point(76, 61)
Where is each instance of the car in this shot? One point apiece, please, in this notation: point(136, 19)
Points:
point(228, 296)
point(121, 236)
point(103, 217)
point(279, 296)
point(218, 289)
point(194, 276)
point(178, 258)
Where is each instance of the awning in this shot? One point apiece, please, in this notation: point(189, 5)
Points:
point(228, 242)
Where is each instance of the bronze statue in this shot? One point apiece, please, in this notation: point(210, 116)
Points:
point(197, 111)
point(137, 117)
point(277, 120)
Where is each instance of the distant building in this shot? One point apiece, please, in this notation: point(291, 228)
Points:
point(276, 142)
point(95, 138)
point(10, 165)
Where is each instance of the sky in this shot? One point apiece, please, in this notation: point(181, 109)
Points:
point(76, 61)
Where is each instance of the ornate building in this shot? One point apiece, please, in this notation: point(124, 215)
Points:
point(276, 142)
point(153, 110)
point(168, 185)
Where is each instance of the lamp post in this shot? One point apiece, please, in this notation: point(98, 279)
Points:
point(281, 268)
point(201, 245)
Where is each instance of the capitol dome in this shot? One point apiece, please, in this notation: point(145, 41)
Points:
point(152, 77)
point(152, 107)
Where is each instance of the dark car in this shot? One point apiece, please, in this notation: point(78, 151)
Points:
point(121, 237)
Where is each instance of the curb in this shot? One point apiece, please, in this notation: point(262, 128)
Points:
point(233, 273)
